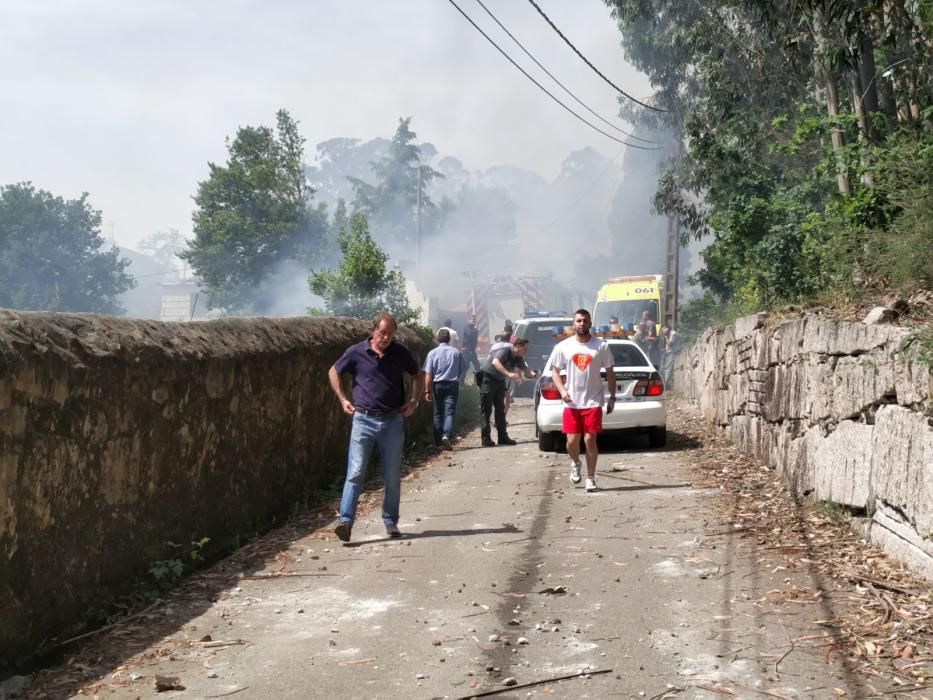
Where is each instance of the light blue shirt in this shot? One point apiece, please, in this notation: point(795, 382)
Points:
point(445, 364)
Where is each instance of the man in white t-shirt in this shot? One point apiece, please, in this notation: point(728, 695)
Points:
point(454, 336)
point(582, 357)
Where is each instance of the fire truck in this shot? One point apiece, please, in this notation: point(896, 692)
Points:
point(513, 297)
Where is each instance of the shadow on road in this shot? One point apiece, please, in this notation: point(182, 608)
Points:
point(638, 487)
point(504, 530)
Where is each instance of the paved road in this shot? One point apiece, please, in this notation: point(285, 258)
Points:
point(507, 573)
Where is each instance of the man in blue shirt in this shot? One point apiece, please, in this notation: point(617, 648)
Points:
point(443, 370)
point(377, 366)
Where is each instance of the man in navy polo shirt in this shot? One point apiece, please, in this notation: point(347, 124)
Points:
point(377, 366)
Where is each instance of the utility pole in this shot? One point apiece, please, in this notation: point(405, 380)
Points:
point(672, 273)
point(418, 268)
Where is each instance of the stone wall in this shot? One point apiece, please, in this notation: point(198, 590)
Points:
point(118, 436)
point(842, 410)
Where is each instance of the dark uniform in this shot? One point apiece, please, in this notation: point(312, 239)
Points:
point(468, 339)
point(492, 391)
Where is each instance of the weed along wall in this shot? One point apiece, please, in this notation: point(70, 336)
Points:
point(118, 436)
point(842, 410)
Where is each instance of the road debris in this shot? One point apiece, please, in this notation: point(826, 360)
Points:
point(516, 686)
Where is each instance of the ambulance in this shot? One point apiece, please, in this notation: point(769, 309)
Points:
point(626, 298)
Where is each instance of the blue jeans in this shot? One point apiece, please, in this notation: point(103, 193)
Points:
point(388, 432)
point(445, 406)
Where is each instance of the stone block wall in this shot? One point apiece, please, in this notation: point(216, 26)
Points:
point(842, 410)
point(118, 436)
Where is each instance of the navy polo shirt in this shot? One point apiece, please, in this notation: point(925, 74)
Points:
point(377, 381)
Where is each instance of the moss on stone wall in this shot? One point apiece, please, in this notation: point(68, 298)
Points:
point(118, 435)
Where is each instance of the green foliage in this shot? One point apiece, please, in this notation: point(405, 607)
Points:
point(882, 235)
point(809, 167)
point(167, 572)
point(920, 344)
point(50, 257)
point(834, 512)
point(391, 204)
point(703, 312)
point(254, 215)
point(361, 286)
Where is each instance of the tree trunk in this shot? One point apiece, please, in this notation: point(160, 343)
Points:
point(858, 106)
point(832, 100)
point(869, 84)
point(838, 138)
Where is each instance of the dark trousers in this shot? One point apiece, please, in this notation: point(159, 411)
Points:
point(445, 407)
point(492, 398)
point(470, 356)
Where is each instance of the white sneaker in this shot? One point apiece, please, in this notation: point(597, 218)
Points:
point(590, 485)
point(575, 472)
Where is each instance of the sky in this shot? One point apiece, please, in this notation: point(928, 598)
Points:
point(129, 101)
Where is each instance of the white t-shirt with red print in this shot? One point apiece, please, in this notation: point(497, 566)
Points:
point(582, 362)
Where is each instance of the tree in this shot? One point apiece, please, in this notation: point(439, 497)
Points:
point(787, 113)
point(361, 286)
point(51, 257)
point(254, 215)
point(392, 202)
point(163, 246)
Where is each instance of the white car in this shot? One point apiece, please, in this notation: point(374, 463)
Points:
point(640, 400)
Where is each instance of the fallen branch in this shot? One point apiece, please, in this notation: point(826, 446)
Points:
point(769, 693)
point(232, 692)
point(511, 688)
point(523, 539)
point(284, 574)
point(714, 689)
point(221, 643)
point(778, 662)
point(879, 584)
point(107, 627)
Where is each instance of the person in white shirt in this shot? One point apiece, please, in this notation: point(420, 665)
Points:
point(581, 357)
point(454, 336)
point(672, 346)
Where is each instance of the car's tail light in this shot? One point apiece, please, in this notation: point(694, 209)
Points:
point(653, 386)
point(549, 392)
point(513, 338)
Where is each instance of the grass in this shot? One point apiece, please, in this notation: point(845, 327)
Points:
point(920, 343)
point(834, 512)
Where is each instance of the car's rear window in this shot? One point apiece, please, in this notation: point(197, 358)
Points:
point(627, 356)
point(541, 333)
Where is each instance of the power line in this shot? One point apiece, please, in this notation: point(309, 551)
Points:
point(586, 61)
point(551, 76)
point(158, 274)
point(582, 194)
point(540, 86)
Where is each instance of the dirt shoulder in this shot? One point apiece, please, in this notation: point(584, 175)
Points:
point(882, 624)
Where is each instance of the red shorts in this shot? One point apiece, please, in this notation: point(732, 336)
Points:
point(582, 420)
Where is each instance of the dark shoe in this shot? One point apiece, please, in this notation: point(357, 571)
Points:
point(487, 442)
point(393, 531)
point(507, 441)
point(343, 531)
point(445, 441)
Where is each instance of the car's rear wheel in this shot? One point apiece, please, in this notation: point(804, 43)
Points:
point(546, 441)
point(657, 437)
